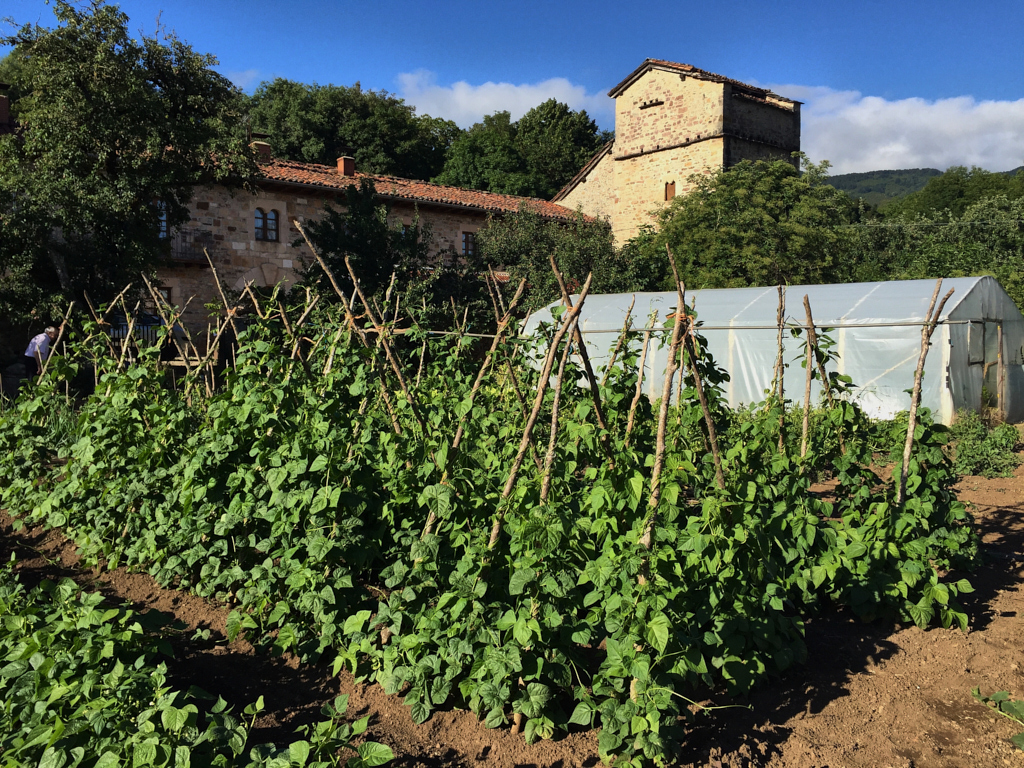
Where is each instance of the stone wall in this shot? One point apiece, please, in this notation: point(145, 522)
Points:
point(669, 126)
point(640, 182)
point(663, 109)
point(224, 224)
point(595, 194)
point(765, 121)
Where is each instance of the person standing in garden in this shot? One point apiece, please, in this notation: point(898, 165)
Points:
point(38, 350)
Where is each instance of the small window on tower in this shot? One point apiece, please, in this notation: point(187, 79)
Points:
point(670, 190)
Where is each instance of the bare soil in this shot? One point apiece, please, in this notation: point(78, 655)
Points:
point(869, 696)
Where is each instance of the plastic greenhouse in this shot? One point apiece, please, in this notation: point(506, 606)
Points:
point(975, 359)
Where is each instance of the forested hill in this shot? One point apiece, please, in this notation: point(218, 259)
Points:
point(881, 187)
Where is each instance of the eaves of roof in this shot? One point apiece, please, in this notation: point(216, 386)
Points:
point(327, 179)
point(692, 71)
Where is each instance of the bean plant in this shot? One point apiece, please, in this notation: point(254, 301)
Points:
point(451, 522)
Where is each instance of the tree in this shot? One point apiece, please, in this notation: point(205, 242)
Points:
point(320, 123)
point(556, 143)
point(379, 249)
point(487, 157)
point(758, 223)
point(522, 243)
point(535, 156)
point(949, 195)
point(114, 134)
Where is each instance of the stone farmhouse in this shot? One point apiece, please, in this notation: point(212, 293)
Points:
point(250, 238)
point(672, 121)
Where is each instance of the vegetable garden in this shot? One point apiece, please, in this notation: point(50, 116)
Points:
point(469, 528)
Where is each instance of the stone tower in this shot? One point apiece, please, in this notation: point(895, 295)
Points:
point(671, 121)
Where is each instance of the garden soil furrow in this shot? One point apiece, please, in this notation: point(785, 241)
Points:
point(871, 695)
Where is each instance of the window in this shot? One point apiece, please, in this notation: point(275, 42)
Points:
point(161, 215)
point(468, 244)
point(670, 190)
point(266, 225)
point(165, 294)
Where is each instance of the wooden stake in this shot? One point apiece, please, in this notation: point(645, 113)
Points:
point(812, 333)
point(809, 365)
point(626, 325)
point(780, 369)
point(545, 374)
point(915, 398)
point(595, 390)
point(549, 459)
point(640, 377)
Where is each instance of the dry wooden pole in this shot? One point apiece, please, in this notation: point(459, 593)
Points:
point(223, 297)
point(809, 365)
point(497, 288)
point(627, 323)
point(385, 395)
point(640, 376)
point(168, 323)
point(549, 459)
point(100, 322)
point(568, 322)
point(915, 398)
point(127, 340)
point(460, 431)
point(382, 338)
point(691, 347)
point(813, 334)
point(678, 330)
point(595, 390)
point(780, 369)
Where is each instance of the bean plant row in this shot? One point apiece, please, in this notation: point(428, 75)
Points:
point(82, 685)
point(497, 528)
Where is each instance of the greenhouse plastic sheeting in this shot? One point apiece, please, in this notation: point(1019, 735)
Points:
point(976, 350)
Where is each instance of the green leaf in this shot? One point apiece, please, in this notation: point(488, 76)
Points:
point(354, 623)
point(658, 631)
point(583, 714)
point(520, 579)
point(372, 753)
point(298, 751)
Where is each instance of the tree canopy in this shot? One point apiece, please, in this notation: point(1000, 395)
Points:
point(758, 223)
point(320, 123)
point(114, 133)
point(534, 156)
point(950, 194)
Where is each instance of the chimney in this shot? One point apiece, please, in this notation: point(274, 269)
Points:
point(263, 148)
point(347, 166)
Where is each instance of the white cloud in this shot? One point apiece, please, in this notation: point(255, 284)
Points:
point(866, 133)
point(466, 104)
point(244, 79)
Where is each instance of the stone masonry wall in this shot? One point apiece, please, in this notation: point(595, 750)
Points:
point(640, 182)
point(596, 194)
point(774, 124)
point(738, 149)
point(224, 223)
point(689, 109)
point(669, 126)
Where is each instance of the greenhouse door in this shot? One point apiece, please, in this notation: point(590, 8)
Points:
point(992, 381)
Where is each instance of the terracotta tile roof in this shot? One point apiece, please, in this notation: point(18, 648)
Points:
point(394, 188)
point(689, 69)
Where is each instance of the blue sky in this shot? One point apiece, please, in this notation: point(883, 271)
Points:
point(887, 85)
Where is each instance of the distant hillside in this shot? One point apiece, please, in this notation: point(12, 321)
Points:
point(881, 187)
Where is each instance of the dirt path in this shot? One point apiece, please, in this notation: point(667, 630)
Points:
point(870, 696)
